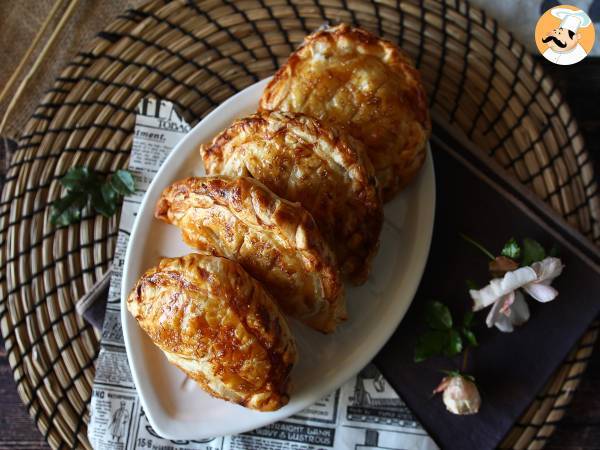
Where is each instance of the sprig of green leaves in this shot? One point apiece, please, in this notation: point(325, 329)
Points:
point(528, 252)
point(444, 337)
point(87, 187)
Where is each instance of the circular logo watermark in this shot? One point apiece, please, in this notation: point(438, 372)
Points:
point(564, 35)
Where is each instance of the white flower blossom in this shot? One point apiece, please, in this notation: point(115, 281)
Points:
point(509, 307)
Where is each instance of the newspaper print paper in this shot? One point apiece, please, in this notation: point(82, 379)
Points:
point(363, 414)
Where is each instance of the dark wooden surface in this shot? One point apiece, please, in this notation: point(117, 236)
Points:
point(580, 429)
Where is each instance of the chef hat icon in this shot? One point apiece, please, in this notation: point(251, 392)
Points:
point(571, 19)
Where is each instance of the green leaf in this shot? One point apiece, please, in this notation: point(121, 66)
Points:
point(429, 344)
point(532, 252)
point(437, 316)
point(107, 209)
point(122, 182)
point(468, 319)
point(454, 344)
point(554, 251)
point(466, 329)
point(67, 210)
point(469, 337)
point(109, 195)
point(511, 249)
point(76, 179)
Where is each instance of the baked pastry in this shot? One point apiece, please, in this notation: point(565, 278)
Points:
point(300, 160)
point(365, 86)
point(276, 241)
point(217, 324)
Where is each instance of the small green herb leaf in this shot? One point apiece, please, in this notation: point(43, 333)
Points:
point(469, 337)
point(511, 249)
point(454, 344)
point(76, 179)
point(532, 252)
point(109, 195)
point(107, 209)
point(429, 344)
point(437, 316)
point(122, 182)
point(67, 210)
point(554, 251)
point(468, 319)
point(466, 329)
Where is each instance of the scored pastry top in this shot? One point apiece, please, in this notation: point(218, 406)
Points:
point(365, 86)
point(275, 240)
point(219, 325)
point(300, 159)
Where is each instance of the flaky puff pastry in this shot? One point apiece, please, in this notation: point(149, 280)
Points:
point(217, 324)
point(367, 87)
point(303, 161)
point(275, 240)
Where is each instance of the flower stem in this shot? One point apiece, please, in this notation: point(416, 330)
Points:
point(477, 245)
point(465, 359)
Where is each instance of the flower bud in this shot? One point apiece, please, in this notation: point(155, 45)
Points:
point(460, 395)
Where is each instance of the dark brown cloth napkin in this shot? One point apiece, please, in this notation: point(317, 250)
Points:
point(510, 368)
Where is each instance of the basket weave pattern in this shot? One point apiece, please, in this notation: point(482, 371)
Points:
point(198, 54)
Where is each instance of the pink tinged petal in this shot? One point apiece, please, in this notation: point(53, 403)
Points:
point(499, 287)
point(442, 386)
point(492, 316)
point(504, 324)
point(516, 314)
point(547, 269)
point(496, 310)
point(541, 292)
point(506, 302)
point(519, 312)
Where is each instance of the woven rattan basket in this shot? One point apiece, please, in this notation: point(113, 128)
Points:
point(197, 55)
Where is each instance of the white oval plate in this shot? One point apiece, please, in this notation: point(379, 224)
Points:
point(178, 409)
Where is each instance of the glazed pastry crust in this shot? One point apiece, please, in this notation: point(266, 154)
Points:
point(276, 241)
point(302, 161)
point(365, 86)
point(217, 324)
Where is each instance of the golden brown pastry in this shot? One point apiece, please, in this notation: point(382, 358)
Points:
point(217, 324)
point(367, 87)
point(276, 241)
point(300, 160)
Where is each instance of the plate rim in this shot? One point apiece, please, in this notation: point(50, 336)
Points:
point(376, 343)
